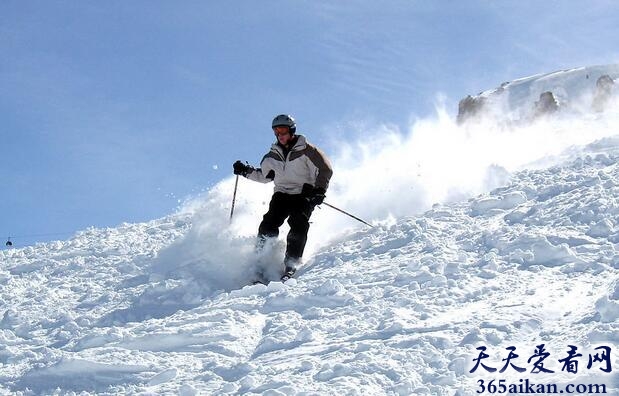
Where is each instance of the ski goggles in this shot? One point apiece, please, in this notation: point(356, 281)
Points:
point(281, 130)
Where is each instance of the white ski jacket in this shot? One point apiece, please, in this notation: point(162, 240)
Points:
point(303, 163)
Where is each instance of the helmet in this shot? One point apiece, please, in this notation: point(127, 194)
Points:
point(285, 120)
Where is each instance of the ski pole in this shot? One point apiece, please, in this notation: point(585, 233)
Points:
point(348, 214)
point(236, 184)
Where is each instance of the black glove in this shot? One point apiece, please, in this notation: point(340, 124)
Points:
point(318, 197)
point(314, 195)
point(241, 168)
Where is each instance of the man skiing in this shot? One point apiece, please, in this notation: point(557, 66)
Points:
point(301, 174)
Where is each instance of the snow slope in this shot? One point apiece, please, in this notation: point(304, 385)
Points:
point(161, 307)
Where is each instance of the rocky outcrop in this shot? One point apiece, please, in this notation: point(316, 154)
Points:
point(470, 107)
point(546, 105)
point(603, 92)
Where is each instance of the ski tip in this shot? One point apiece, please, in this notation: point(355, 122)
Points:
point(289, 281)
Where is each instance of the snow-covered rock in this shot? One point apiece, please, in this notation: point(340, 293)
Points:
point(575, 91)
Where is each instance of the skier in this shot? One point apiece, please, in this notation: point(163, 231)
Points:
point(301, 173)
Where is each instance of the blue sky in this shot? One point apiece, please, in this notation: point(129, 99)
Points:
point(114, 111)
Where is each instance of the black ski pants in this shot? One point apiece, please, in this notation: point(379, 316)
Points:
point(298, 211)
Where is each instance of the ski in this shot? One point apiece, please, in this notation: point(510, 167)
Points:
point(288, 274)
